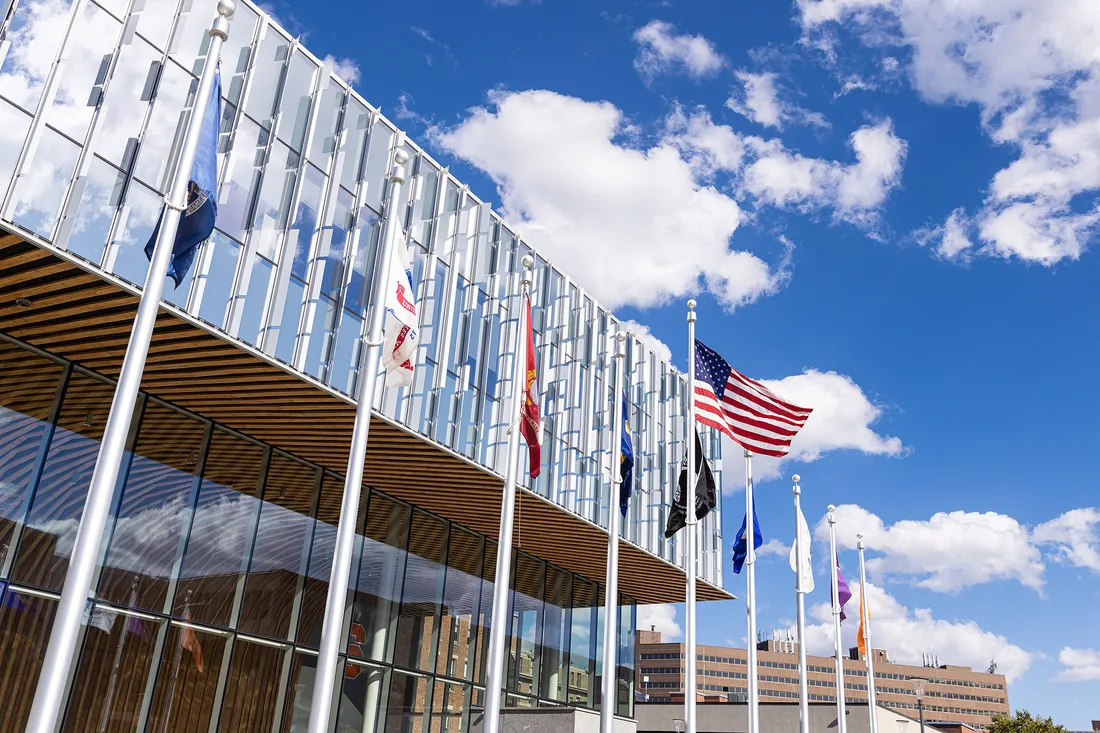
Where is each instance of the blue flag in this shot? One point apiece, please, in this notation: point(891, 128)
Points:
point(197, 222)
point(626, 488)
point(741, 548)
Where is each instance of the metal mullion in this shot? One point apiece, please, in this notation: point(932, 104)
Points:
point(437, 607)
point(250, 546)
point(192, 502)
point(446, 318)
point(280, 694)
point(223, 679)
point(303, 564)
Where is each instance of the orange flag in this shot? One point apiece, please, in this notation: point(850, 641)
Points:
point(864, 613)
point(529, 419)
point(190, 641)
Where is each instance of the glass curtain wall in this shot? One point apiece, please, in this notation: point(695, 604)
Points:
point(209, 599)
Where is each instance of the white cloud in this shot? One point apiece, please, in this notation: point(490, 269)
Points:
point(1074, 538)
point(663, 51)
point(773, 547)
point(951, 240)
point(760, 102)
point(842, 419)
point(593, 202)
point(1032, 67)
point(662, 616)
point(649, 341)
point(907, 634)
point(346, 69)
point(1080, 665)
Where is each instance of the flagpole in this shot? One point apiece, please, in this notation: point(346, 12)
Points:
point(65, 633)
point(332, 627)
point(113, 681)
point(800, 593)
point(498, 627)
point(865, 621)
point(611, 591)
point(690, 680)
point(750, 595)
point(842, 723)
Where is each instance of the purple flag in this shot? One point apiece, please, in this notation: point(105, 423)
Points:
point(843, 592)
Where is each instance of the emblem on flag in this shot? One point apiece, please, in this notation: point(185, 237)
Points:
point(529, 425)
point(401, 341)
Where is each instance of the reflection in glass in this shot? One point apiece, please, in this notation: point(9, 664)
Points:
point(139, 217)
point(242, 174)
point(305, 219)
point(127, 100)
point(345, 354)
point(266, 74)
point(460, 621)
point(25, 622)
point(187, 680)
point(294, 101)
point(59, 501)
point(252, 690)
point(42, 184)
point(523, 660)
point(555, 634)
point(159, 144)
point(34, 46)
point(273, 204)
point(376, 165)
point(15, 125)
point(96, 211)
point(320, 560)
point(28, 384)
point(356, 123)
point(319, 334)
point(582, 643)
point(333, 247)
point(219, 276)
point(423, 202)
point(282, 338)
point(252, 301)
point(323, 143)
point(409, 704)
point(421, 593)
point(155, 20)
point(88, 55)
point(381, 574)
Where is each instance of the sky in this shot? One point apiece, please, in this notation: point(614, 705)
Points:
point(887, 209)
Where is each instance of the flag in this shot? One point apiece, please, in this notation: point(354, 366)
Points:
point(864, 612)
point(197, 220)
point(101, 618)
point(626, 461)
point(741, 547)
point(189, 640)
point(705, 492)
point(843, 592)
point(399, 349)
point(742, 408)
point(529, 418)
point(803, 538)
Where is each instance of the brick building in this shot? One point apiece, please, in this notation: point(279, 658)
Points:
point(953, 693)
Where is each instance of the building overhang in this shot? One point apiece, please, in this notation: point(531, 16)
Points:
point(84, 315)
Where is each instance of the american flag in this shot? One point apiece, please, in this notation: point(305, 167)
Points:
point(743, 408)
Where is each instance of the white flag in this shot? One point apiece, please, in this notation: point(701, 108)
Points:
point(807, 567)
point(399, 349)
point(100, 618)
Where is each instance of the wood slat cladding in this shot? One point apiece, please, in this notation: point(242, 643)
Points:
point(84, 318)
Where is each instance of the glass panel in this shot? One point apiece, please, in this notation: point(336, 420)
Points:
point(460, 622)
point(28, 384)
point(320, 338)
point(110, 681)
point(253, 301)
point(305, 219)
point(252, 690)
point(187, 681)
point(627, 638)
point(221, 530)
point(381, 572)
point(555, 634)
point(155, 20)
point(294, 102)
point(191, 43)
point(242, 175)
point(422, 592)
point(59, 501)
point(127, 101)
point(356, 122)
point(423, 206)
point(16, 124)
point(582, 639)
point(41, 186)
point(34, 38)
point(377, 165)
point(526, 625)
point(88, 53)
point(266, 74)
point(485, 609)
point(25, 622)
point(155, 510)
point(279, 555)
point(323, 144)
point(217, 293)
point(346, 354)
point(159, 143)
point(273, 204)
point(450, 708)
point(334, 241)
point(363, 699)
point(286, 335)
point(409, 704)
point(320, 561)
point(362, 264)
point(141, 211)
point(96, 211)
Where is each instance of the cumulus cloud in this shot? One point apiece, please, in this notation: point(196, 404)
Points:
point(908, 634)
point(591, 201)
point(651, 343)
point(1073, 538)
point(759, 100)
point(661, 50)
point(1079, 665)
point(1032, 69)
point(661, 616)
point(951, 240)
point(346, 69)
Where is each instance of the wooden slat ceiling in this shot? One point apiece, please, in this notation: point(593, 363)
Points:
point(85, 318)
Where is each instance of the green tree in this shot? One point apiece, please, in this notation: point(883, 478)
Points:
point(1024, 723)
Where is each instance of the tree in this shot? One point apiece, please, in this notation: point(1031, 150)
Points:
point(1024, 723)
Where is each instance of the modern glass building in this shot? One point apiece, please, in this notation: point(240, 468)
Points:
point(214, 570)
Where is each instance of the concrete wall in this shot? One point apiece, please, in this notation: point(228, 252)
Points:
point(552, 720)
point(774, 718)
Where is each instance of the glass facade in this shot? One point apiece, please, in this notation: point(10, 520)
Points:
point(213, 575)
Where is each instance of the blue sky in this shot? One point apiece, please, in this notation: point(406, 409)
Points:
point(885, 206)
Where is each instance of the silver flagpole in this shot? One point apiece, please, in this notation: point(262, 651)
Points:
point(865, 617)
point(61, 652)
point(750, 597)
point(332, 627)
point(611, 592)
point(690, 680)
point(841, 722)
point(498, 628)
point(800, 593)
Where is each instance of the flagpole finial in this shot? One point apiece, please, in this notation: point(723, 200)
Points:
point(620, 345)
point(226, 8)
point(859, 541)
point(528, 262)
point(796, 478)
point(832, 508)
point(691, 304)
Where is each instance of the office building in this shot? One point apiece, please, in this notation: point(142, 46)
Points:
point(215, 564)
point(953, 694)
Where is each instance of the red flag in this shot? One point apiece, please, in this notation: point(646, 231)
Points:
point(529, 419)
point(189, 640)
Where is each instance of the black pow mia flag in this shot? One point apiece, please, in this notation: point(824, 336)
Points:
point(706, 497)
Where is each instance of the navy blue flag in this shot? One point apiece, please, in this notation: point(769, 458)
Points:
point(741, 547)
point(197, 222)
point(626, 464)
